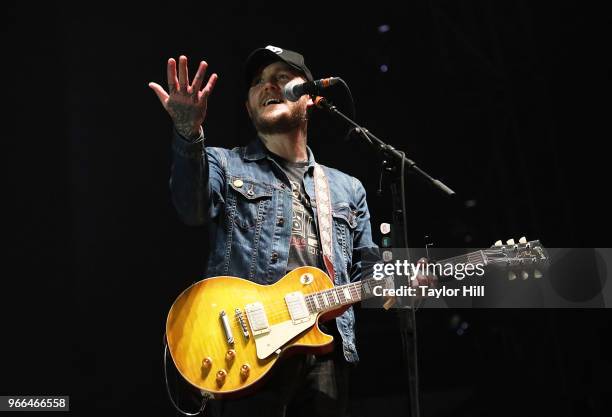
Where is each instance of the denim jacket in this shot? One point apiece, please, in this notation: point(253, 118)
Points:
point(250, 222)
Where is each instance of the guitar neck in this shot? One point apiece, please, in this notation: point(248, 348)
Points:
point(355, 292)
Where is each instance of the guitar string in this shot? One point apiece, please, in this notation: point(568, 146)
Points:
point(282, 302)
point(274, 312)
point(352, 287)
point(315, 310)
point(354, 290)
point(312, 308)
point(473, 255)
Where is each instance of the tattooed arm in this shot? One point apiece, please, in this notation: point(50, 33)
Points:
point(195, 176)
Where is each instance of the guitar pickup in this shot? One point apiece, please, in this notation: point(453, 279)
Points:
point(296, 304)
point(257, 318)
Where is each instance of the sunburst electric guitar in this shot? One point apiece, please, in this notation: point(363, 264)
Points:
point(224, 333)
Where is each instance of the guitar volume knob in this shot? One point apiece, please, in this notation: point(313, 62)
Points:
point(207, 363)
point(245, 370)
point(230, 356)
point(221, 375)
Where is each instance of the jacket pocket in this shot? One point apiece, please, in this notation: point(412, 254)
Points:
point(342, 212)
point(251, 199)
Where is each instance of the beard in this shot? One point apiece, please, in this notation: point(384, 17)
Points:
point(283, 123)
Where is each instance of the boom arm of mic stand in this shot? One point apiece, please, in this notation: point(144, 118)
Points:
point(382, 148)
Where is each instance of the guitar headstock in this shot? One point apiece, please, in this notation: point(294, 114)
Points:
point(523, 260)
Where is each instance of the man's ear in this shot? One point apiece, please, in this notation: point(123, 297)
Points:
point(310, 103)
point(246, 104)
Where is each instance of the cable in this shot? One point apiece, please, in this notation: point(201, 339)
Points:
point(353, 108)
point(350, 95)
point(205, 396)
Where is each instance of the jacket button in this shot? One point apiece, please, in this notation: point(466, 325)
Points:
point(274, 257)
point(280, 221)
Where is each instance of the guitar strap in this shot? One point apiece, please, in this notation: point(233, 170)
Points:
point(324, 217)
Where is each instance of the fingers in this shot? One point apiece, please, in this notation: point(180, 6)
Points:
point(172, 80)
point(178, 81)
point(199, 77)
point(424, 281)
point(183, 73)
point(160, 92)
point(212, 81)
point(181, 83)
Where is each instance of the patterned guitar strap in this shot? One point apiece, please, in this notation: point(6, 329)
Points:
point(324, 217)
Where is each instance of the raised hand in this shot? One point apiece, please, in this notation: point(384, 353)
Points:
point(186, 104)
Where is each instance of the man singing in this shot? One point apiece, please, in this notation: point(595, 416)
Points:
point(271, 208)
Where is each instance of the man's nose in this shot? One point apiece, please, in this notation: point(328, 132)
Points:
point(272, 85)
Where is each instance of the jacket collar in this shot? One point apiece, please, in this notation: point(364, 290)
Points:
point(256, 151)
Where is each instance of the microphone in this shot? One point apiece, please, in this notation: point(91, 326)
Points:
point(295, 89)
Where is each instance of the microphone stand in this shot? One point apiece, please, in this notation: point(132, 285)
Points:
point(395, 162)
point(388, 152)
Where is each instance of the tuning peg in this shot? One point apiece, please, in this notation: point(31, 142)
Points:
point(510, 242)
point(498, 243)
point(523, 240)
point(537, 274)
point(511, 276)
point(524, 275)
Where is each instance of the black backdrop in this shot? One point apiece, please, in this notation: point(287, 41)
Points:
point(501, 100)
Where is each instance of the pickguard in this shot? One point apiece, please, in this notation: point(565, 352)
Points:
point(279, 334)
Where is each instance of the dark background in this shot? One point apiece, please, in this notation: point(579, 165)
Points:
point(505, 101)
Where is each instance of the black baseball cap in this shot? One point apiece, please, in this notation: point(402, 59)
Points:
point(264, 56)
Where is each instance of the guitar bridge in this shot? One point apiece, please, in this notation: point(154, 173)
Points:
point(243, 326)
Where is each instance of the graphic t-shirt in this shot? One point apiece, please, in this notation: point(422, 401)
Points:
point(304, 243)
